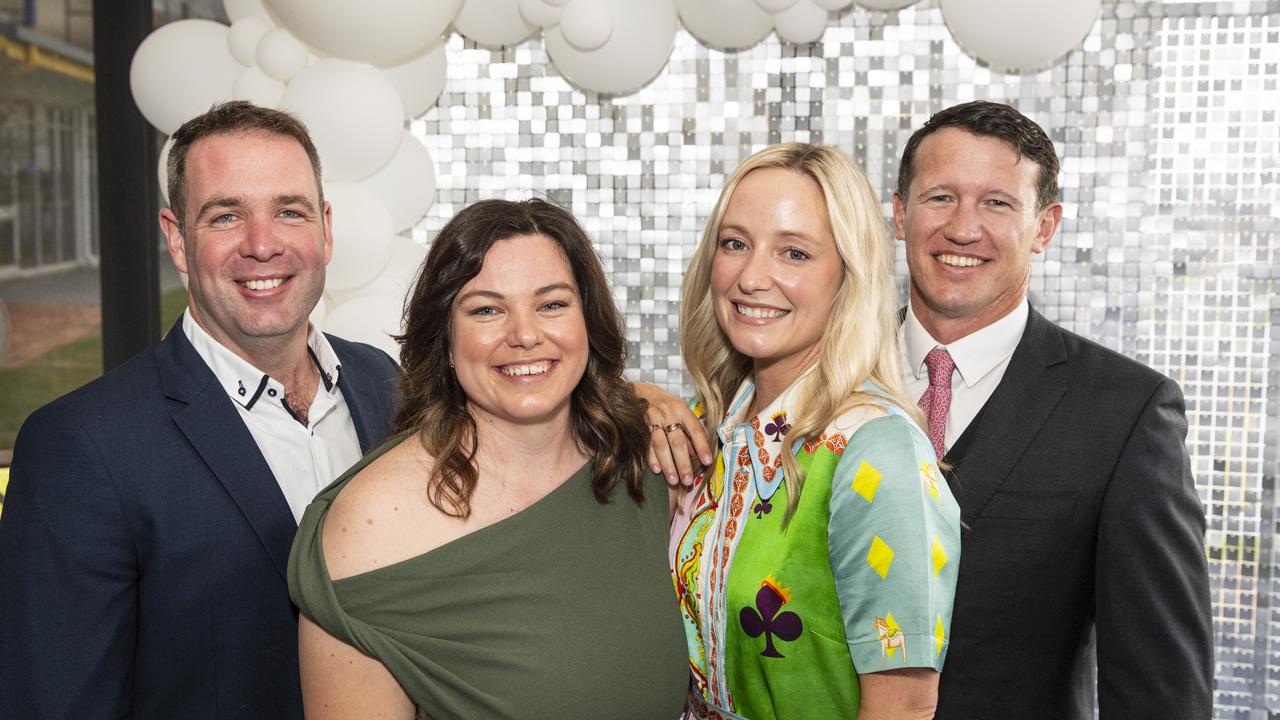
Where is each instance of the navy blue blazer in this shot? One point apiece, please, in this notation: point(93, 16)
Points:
point(144, 544)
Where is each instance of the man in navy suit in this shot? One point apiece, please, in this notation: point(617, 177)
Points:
point(150, 513)
point(1083, 533)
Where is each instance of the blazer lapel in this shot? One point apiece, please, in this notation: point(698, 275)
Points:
point(367, 406)
point(1034, 382)
point(212, 425)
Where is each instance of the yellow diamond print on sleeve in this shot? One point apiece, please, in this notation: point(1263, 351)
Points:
point(880, 557)
point(929, 476)
point(867, 481)
point(939, 556)
point(939, 637)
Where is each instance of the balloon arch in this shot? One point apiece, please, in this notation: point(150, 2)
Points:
point(356, 71)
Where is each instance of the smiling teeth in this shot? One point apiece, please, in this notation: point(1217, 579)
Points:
point(759, 312)
point(533, 369)
point(263, 284)
point(959, 261)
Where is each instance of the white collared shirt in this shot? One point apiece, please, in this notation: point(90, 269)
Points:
point(303, 458)
point(981, 357)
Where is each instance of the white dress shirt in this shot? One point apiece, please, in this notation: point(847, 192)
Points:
point(303, 458)
point(981, 358)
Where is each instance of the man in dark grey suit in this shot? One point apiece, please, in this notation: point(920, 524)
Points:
point(149, 517)
point(1083, 533)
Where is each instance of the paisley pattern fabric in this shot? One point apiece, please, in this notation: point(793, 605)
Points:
point(780, 620)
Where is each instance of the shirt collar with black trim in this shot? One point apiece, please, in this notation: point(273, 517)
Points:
point(246, 384)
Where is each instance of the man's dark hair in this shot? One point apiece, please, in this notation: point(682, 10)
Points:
point(227, 118)
point(995, 120)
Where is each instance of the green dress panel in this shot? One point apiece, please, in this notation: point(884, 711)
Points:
point(563, 610)
point(781, 619)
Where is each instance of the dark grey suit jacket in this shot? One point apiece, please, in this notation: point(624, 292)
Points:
point(144, 543)
point(1080, 513)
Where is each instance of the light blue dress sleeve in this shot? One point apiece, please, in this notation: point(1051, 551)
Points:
point(894, 543)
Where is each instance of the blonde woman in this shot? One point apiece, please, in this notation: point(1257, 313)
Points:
point(815, 557)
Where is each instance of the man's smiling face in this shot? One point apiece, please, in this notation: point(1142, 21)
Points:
point(971, 224)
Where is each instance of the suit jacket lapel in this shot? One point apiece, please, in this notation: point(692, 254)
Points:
point(212, 425)
point(369, 412)
point(1034, 382)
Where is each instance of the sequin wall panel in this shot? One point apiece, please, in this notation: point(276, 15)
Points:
point(1168, 123)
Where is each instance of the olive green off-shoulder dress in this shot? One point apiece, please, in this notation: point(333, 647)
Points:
point(563, 610)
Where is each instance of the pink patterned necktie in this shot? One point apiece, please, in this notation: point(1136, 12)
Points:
point(936, 401)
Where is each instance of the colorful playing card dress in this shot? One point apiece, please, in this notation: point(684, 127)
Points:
point(781, 620)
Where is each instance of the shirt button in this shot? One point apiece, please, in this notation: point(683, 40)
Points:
point(272, 392)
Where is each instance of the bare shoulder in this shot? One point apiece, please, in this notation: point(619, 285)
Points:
point(375, 519)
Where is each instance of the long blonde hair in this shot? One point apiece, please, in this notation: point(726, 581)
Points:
point(859, 342)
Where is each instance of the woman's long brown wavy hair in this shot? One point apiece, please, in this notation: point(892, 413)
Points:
point(608, 419)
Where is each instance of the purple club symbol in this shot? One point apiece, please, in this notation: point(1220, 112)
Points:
point(762, 508)
point(785, 626)
point(778, 427)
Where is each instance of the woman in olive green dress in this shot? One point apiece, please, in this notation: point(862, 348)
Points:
point(504, 555)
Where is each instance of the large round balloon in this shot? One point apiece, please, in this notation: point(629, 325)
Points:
point(1030, 34)
point(238, 10)
point(644, 33)
point(354, 115)
point(420, 81)
point(725, 24)
point(281, 55)
point(407, 184)
point(539, 12)
point(885, 4)
point(775, 6)
point(586, 24)
point(243, 37)
point(258, 88)
point(398, 279)
point(493, 23)
point(372, 319)
point(180, 70)
point(381, 32)
point(835, 5)
point(361, 235)
point(801, 23)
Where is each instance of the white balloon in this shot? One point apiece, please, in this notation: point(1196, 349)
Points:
point(381, 32)
point(258, 88)
point(180, 70)
point(801, 24)
point(705, 19)
point(885, 4)
point(242, 39)
point(420, 81)
point(372, 319)
point(361, 235)
point(539, 13)
point(644, 35)
point(162, 170)
point(353, 112)
point(493, 23)
point(586, 24)
point(281, 55)
point(407, 184)
point(833, 5)
point(398, 279)
point(773, 6)
point(1030, 34)
point(557, 3)
point(238, 10)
